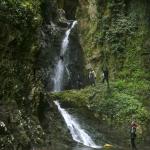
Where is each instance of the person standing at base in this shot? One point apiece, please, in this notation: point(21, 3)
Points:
point(92, 77)
point(79, 82)
point(133, 135)
point(105, 75)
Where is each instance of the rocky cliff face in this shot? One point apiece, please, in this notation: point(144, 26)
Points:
point(52, 34)
point(30, 44)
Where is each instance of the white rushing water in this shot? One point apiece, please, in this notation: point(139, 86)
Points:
point(78, 134)
point(66, 39)
point(60, 67)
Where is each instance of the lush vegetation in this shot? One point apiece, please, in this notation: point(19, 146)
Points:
point(114, 33)
point(19, 91)
point(116, 107)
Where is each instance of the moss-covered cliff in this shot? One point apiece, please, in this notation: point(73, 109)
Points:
point(30, 38)
point(116, 34)
point(108, 27)
point(20, 89)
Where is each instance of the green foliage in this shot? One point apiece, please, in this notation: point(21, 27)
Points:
point(20, 91)
point(116, 28)
point(19, 21)
point(116, 106)
point(25, 12)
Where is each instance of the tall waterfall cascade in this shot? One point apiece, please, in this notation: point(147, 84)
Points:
point(78, 134)
point(60, 67)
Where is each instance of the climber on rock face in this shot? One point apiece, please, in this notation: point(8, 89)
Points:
point(62, 57)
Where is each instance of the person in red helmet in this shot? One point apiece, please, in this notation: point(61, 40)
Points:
point(133, 134)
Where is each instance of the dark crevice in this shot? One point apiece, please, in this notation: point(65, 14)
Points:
point(69, 7)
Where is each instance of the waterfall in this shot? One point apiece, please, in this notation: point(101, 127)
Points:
point(66, 39)
point(60, 67)
point(78, 134)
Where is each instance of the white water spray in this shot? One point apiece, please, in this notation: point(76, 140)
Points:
point(78, 134)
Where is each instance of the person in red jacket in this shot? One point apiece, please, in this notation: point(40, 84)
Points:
point(133, 135)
